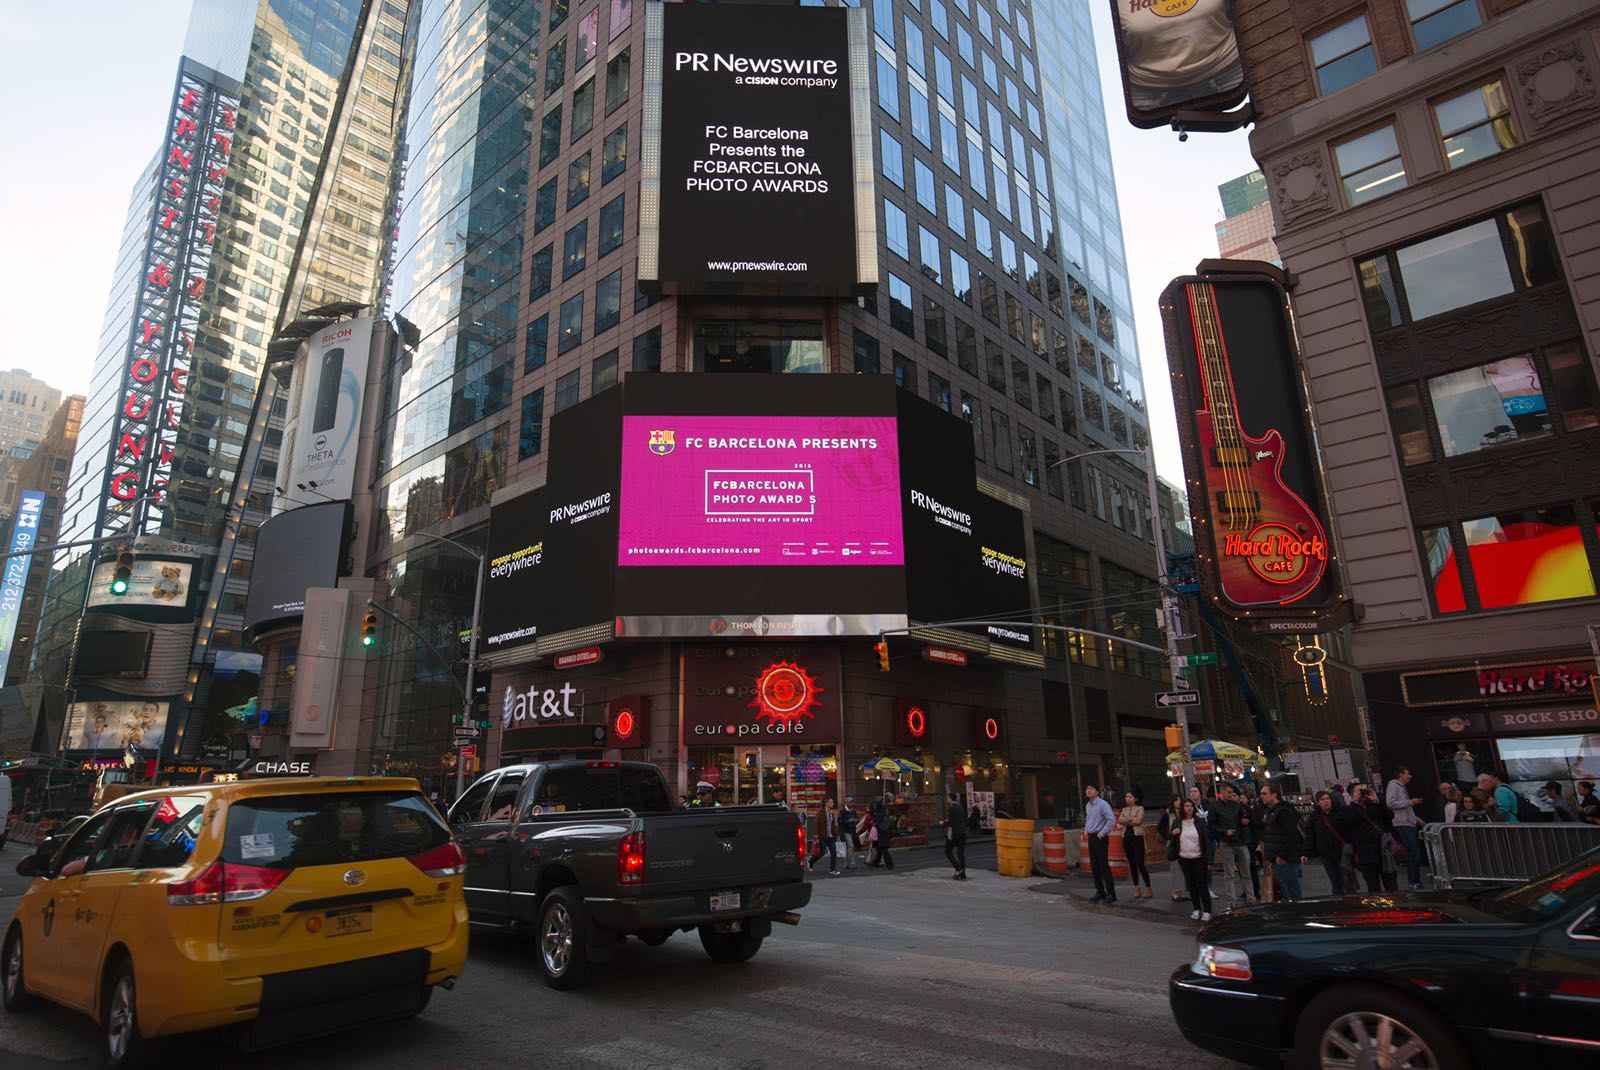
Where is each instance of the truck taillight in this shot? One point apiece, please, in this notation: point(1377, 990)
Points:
point(630, 859)
point(800, 844)
point(445, 860)
point(222, 882)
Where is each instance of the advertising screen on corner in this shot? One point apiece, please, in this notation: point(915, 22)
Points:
point(771, 490)
point(757, 170)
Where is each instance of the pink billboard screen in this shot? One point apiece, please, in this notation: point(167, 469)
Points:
point(771, 490)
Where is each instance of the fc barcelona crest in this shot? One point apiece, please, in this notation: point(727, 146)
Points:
point(663, 442)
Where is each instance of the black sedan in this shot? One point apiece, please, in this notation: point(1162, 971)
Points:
point(1425, 981)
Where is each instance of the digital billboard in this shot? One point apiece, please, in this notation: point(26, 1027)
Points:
point(512, 585)
point(756, 490)
point(164, 584)
point(1261, 541)
point(14, 571)
point(753, 180)
point(330, 379)
point(578, 571)
point(115, 725)
point(1179, 58)
point(295, 550)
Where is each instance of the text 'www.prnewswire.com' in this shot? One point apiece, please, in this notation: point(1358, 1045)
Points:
point(757, 265)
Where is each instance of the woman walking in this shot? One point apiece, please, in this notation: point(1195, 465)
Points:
point(1167, 833)
point(1194, 855)
point(1327, 842)
point(1132, 821)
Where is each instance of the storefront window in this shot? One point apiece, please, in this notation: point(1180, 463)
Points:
point(1460, 761)
point(1532, 763)
point(714, 766)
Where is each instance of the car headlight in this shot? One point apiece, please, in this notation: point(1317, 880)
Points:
point(1228, 963)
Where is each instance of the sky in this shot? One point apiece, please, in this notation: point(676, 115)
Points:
point(78, 143)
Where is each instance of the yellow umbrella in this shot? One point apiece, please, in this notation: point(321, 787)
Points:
point(891, 766)
point(1213, 750)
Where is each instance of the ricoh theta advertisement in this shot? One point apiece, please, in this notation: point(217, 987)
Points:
point(756, 490)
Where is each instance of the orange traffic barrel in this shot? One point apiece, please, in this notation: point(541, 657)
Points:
point(1055, 851)
point(1115, 855)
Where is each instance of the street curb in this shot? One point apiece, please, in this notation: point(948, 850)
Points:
point(1080, 901)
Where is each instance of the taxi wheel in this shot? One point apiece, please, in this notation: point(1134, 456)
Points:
point(563, 937)
point(123, 1047)
point(729, 948)
point(13, 989)
point(1365, 1025)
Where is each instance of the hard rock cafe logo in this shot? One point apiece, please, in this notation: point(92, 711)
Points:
point(663, 442)
point(1276, 552)
point(1166, 9)
point(1456, 724)
point(785, 692)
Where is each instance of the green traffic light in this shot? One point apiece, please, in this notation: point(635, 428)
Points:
point(367, 640)
point(119, 586)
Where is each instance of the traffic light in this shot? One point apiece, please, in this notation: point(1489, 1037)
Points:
point(882, 647)
point(369, 627)
point(1174, 736)
point(122, 575)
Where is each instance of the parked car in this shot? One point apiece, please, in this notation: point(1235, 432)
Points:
point(587, 853)
point(290, 907)
point(1434, 980)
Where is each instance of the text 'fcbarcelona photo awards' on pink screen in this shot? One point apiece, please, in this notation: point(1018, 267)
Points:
point(743, 490)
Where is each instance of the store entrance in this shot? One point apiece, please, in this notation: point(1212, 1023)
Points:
point(800, 777)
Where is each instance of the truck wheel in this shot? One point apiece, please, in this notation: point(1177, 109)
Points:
point(13, 989)
point(564, 939)
point(729, 948)
point(654, 937)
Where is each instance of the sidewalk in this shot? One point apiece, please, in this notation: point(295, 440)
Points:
point(1079, 888)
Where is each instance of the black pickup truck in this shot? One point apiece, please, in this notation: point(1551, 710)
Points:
point(587, 853)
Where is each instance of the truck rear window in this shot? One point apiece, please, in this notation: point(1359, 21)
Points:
point(601, 788)
point(288, 831)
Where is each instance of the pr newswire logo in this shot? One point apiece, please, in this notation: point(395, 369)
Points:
point(728, 61)
point(578, 512)
point(945, 515)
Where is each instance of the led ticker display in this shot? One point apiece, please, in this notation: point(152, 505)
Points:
point(750, 491)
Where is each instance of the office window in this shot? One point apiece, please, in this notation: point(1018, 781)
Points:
point(960, 278)
point(994, 365)
point(567, 391)
point(966, 348)
point(982, 234)
point(944, 76)
point(1000, 440)
point(1013, 316)
point(530, 439)
point(939, 391)
point(603, 373)
point(1370, 165)
point(1008, 256)
point(896, 230)
point(536, 343)
point(977, 171)
point(939, 18)
point(972, 412)
point(582, 111)
point(1094, 409)
point(985, 24)
point(988, 298)
point(1573, 380)
point(1030, 274)
point(1044, 389)
point(1433, 22)
point(1475, 124)
point(883, 20)
point(1037, 338)
point(611, 224)
point(1343, 55)
point(1410, 424)
point(1052, 469)
point(1061, 351)
point(916, 52)
point(894, 163)
point(608, 303)
point(949, 140)
point(991, 78)
point(1027, 455)
point(1021, 389)
point(866, 353)
point(965, 46)
point(1502, 401)
point(558, 13)
point(540, 272)
point(614, 158)
point(928, 254)
point(901, 316)
point(569, 331)
point(544, 206)
point(647, 351)
point(905, 373)
point(578, 180)
point(955, 211)
point(575, 249)
point(1002, 187)
point(621, 17)
point(888, 86)
point(1069, 410)
point(921, 117)
point(927, 190)
point(550, 136)
point(933, 327)
point(618, 77)
point(555, 66)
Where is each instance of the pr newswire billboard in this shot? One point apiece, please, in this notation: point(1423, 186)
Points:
point(754, 179)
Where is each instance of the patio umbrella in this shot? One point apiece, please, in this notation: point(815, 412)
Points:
point(1213, 750)
point(891, 766)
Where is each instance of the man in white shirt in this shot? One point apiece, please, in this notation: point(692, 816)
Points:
point(1398, 798)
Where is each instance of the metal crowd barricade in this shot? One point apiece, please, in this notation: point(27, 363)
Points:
point(1485, 853)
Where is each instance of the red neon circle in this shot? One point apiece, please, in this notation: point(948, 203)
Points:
point(916, 722)
point(625, 723)
point(991, 728)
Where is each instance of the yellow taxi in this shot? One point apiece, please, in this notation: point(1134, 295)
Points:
point(292, 907)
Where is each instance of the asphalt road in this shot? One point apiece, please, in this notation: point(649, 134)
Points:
point(903, 970)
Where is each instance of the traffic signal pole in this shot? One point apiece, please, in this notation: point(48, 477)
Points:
point(1170, 612)
point(472, 667)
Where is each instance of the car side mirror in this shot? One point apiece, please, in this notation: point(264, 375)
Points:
point(28, 867)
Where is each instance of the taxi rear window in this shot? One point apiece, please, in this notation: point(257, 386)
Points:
point(288, 831)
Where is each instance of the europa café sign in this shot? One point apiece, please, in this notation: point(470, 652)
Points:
point(1262, 547)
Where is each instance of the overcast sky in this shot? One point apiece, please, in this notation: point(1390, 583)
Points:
point(76, 134)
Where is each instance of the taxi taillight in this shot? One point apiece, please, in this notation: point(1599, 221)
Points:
point(225, 882)
point(445, 860)
point(630, 859)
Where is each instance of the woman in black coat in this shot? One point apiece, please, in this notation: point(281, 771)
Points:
point(1325, 840)
point(1364, 822)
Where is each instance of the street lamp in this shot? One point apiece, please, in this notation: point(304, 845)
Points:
point(1169, 604)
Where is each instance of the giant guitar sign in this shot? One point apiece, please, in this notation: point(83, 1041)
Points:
point(1249, 455)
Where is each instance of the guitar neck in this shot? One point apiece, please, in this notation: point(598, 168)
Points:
point(1237, 500)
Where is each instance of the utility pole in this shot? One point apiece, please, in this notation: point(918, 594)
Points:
point(472, 667)
point(1170, 611)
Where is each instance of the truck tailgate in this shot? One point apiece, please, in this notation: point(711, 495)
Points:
point(723, 847)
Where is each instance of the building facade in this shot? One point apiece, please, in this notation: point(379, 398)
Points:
point(27, 406)
point(1432, 170)
point(268, 193)
point(1003, 300)
point(1245, 232)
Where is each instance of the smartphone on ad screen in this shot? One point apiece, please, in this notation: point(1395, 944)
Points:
point(327, 410)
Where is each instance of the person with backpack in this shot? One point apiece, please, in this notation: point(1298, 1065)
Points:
point(1407, 825)
point(1508, 802)
point(1281, 843)
point(1327, 841)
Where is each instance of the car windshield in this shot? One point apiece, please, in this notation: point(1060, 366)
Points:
point(1551, 894)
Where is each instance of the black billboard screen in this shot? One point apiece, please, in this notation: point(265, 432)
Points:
point(114, 653)
point(513, 586)
point(757, 169)
point(581, 501)
point(1000, 586)
point(296, 549)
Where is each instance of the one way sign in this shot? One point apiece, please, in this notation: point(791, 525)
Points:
point(1166, 699)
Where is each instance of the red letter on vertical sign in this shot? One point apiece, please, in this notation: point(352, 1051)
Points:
point(148, 331)
point(175, 187)
point(125, 486)
point(223, 142)
point(180, 380)
point(186, 127)
point(190, 98)
point(144, 370)
point(181, 158)
point(128, 406)
point(130, 446)
point(161, 275)
point(197, 286)
point(169, 217)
